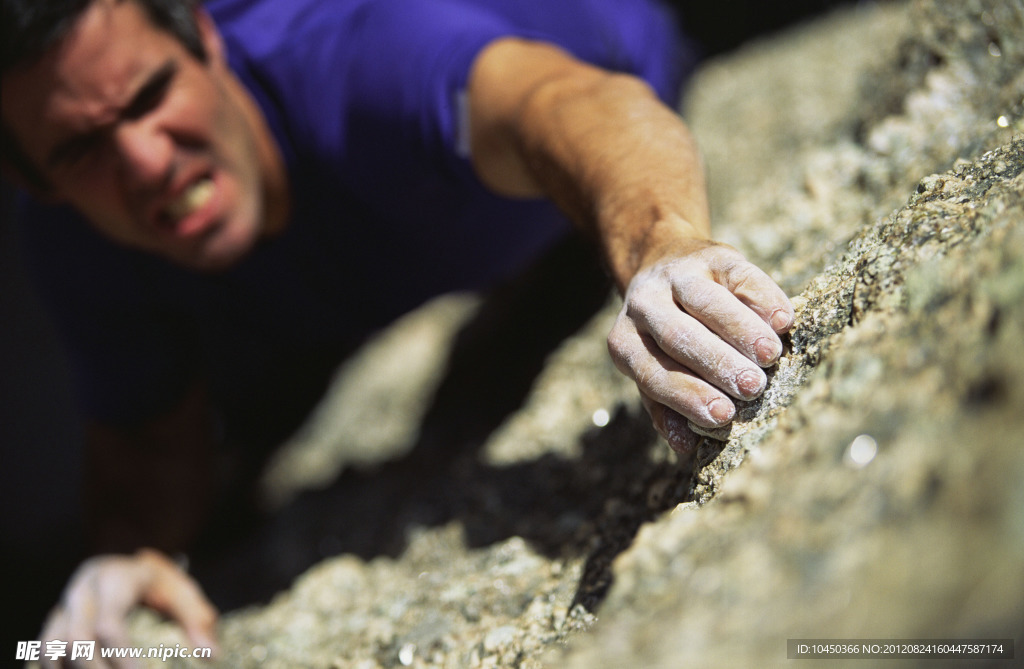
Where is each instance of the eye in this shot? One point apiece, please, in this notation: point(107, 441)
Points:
point(152, 94)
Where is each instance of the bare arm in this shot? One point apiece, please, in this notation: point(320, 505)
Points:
point(148, 486)
point(698, 320)
point(601, 145)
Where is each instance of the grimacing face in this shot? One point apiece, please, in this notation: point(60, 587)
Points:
point(159, 150)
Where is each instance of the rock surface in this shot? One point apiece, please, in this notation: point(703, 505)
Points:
point(873, 161)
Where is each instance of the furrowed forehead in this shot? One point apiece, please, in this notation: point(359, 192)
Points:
point(85, 78)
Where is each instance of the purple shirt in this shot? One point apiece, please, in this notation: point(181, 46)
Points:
point(366, 100)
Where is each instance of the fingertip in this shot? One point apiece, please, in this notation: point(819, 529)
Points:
point(751, 383)
point(679, 436)
point(188, 604)
point(781, 320)
point(201, 627)
point(720, 411)
point(204, 640)
point(767, 350)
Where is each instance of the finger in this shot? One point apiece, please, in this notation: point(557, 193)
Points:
point(699, 350)
point(81, 610)
point(179, 597)
point(671, 426)
point(666, 381)
point(119, 586)
point(717, 308)
point(58, 626)
point(752, 286)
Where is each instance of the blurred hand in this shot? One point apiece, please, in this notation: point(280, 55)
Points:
point(695, 329)
point(105, 588)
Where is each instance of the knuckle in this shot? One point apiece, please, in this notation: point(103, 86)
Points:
point(618, 340)
point(687, 284)
point(744, 275)
point(741, 270)
point(625, 359)
point(653, 378)
point(692, 288)
point(638, 305)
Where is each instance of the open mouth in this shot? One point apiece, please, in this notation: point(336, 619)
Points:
point(191, 200)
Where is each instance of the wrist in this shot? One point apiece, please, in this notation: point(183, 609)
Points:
point(667, 238)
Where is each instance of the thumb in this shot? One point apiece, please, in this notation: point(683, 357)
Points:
point(176, 595)
point(672, 426)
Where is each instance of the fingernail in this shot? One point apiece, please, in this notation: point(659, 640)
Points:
point(767, 350)
point(781, 320)
point(751, 382)
point(720, 411)
point(680, 438)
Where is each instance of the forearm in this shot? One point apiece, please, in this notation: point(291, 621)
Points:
point(151, 484)
point(698, 320)
point(602, 146)
point(620, 163)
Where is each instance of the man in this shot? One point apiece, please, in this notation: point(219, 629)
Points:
point(272, 180)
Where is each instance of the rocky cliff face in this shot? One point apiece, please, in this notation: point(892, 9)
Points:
point(873, 161)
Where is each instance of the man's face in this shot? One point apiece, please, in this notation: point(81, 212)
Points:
point(158, 149)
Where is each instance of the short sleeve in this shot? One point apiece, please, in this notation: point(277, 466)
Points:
point(374, 89)
point(408, 62)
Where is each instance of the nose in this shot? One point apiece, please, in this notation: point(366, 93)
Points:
point(145, 154)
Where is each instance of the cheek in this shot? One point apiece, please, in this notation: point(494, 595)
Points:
point(204, 118)
point(98, 197)
point(190, 113)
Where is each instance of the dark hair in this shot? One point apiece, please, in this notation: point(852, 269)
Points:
point(29, 28)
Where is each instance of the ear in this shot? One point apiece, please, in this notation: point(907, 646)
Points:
point(210, 36)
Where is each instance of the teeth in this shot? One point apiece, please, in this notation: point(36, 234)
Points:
point(190, 200)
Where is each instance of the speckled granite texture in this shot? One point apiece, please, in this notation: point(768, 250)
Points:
point(873, 162)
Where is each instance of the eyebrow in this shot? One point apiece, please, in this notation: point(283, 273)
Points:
point(153, 85)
